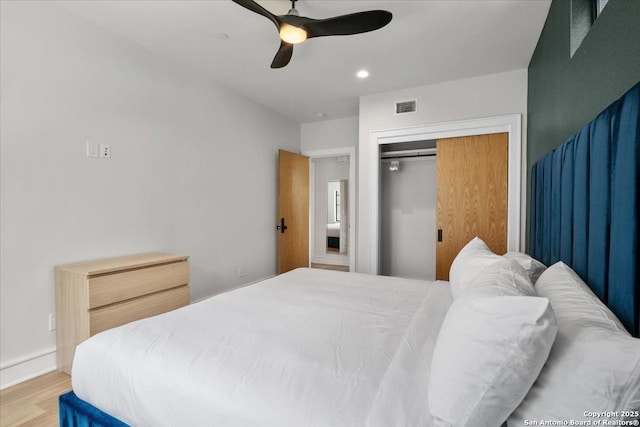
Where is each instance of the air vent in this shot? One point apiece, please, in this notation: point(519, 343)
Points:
point(404, 107)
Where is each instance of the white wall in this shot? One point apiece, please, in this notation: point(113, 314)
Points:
point(193, 169)
point(329, 134)
point(408, 219)
point(492, 95)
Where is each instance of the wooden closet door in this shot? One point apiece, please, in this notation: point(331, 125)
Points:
point(472, 195)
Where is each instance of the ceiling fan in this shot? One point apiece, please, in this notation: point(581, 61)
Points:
point(295, 29)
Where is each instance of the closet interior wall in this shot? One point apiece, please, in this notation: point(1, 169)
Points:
point(408, 217)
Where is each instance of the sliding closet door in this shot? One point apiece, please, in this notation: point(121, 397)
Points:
point(472, 195)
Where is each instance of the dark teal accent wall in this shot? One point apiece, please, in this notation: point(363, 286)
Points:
point(565, 92)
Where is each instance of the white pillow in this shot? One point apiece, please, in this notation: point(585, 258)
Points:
point(594, 364)
point(471, 259)
point(493, 342)
point(578, 307)
point(503, 277)
point(532, 266)
point(489, 352)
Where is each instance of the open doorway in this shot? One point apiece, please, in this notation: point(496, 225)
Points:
point(332, 208)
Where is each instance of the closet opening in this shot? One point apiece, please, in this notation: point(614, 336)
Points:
point(388, 141)
point(408, 209)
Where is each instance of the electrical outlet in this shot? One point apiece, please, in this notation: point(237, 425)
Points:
point(240, 271)
point(92, 149)
point(52, 321)
point(105, 151)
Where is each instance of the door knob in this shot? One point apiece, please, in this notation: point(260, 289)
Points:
point(281, 227)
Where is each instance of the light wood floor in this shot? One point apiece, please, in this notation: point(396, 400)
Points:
point(330, 267)
point(35, 402)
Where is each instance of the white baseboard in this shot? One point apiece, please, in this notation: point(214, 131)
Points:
point(328, 259)
point(28, 367)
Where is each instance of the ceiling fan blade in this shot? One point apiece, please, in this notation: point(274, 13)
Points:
point(283, 56)
point(255, 7)
point(354, 23)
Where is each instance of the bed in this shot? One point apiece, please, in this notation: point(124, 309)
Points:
point(513, 338)
point(309, 347)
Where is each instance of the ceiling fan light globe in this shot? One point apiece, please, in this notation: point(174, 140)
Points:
point(291, 34)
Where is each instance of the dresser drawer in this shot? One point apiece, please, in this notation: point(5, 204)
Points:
point(115, 287)
point(97, 295)
point(103, 318)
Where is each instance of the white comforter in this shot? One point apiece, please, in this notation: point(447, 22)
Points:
point(307, 348)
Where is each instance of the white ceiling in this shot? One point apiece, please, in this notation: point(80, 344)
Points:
point(427, 42)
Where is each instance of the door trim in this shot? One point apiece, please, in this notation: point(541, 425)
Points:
point(335, 152)
point(516, 192)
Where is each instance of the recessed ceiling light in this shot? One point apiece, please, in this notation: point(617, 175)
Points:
point(362, 74)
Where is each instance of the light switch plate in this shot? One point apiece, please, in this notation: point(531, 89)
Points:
point(92, 149)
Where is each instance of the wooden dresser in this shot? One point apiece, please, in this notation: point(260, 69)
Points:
point(98, 295)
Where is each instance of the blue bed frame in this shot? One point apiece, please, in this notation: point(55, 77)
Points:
point(584, 211)
point(585, 207)
point(78, 413)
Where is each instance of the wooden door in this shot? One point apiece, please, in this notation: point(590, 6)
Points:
point(293, 211)
point(472, 195)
